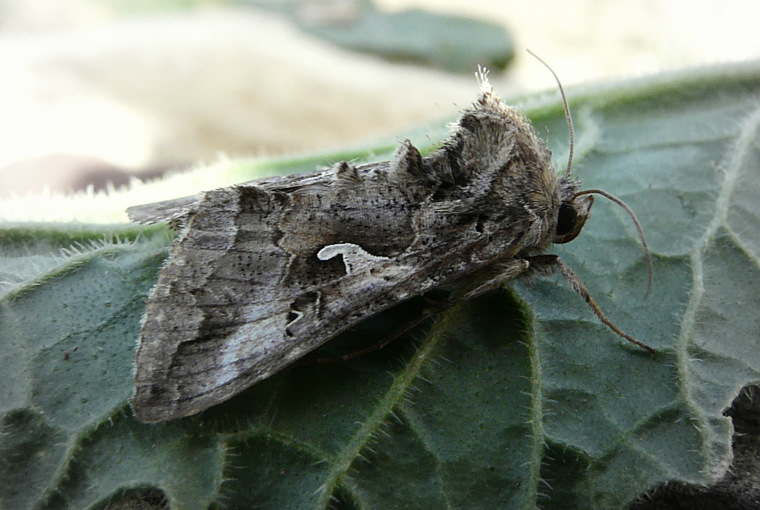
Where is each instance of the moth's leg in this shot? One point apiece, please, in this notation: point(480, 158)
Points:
point(501, 274)
point(548, 263)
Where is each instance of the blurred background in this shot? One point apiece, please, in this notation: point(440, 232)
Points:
point(96, 91)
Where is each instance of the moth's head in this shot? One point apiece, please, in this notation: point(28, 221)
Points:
point(573, 213)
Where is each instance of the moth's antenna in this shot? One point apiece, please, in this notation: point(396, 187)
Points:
point(568, 117)
point(639, 230)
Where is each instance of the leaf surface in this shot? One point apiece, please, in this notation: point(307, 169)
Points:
point(517, 399)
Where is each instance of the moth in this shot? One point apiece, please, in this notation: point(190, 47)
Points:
point(266, 271)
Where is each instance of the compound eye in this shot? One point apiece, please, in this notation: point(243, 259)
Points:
point(567, 219)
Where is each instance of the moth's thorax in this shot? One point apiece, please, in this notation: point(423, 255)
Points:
point(527, 183)
point(496, 150)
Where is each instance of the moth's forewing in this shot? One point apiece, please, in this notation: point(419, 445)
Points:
point(265, 272)
point(244, 293)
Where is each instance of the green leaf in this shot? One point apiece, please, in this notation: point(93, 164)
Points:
point(453, 43)
point(515, 400)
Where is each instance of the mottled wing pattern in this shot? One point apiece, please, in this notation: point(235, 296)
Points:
point(267, 271)
point(262, 276)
